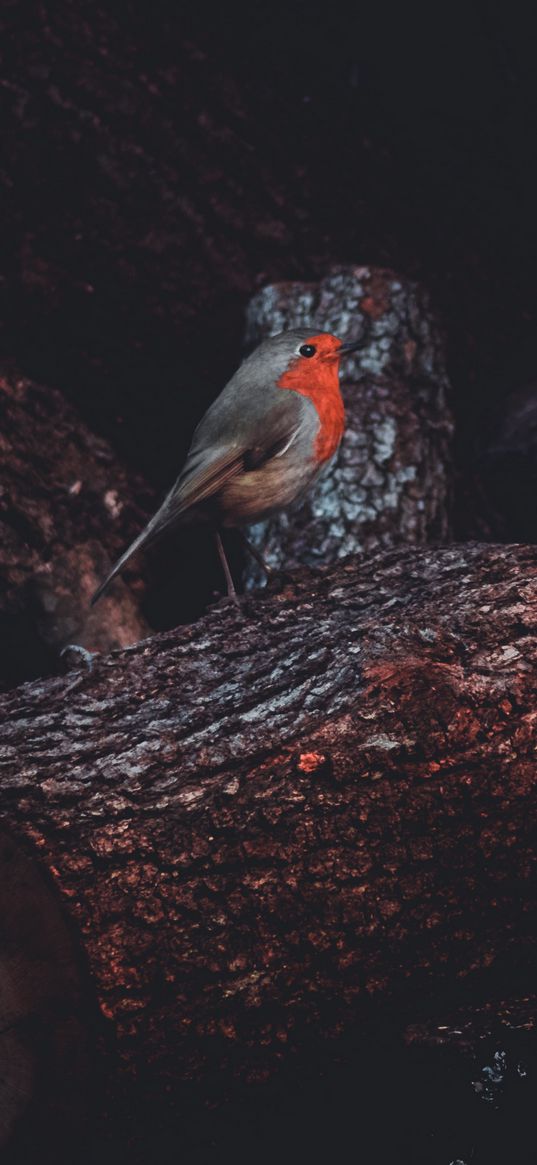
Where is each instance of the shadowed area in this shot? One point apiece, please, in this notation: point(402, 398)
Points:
point(159, 166)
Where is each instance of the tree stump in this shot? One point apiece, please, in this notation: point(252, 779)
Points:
point(390, 482)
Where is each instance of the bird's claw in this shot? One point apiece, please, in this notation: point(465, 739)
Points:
point(279, 579)
point(229, 601)
point(86, 656)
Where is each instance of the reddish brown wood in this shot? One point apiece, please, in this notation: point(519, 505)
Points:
point(258, 824)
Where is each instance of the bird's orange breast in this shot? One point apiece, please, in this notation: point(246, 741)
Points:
point(321, 386)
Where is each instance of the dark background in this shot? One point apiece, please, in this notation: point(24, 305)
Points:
point(161, 162)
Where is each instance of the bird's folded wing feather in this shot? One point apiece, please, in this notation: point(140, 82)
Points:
point(201, 480)
point(206, 471)
point(202, 477)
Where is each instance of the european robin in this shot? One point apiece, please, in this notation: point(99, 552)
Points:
point(263, 442)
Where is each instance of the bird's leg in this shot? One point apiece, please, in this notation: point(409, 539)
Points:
point(282, 576)
point(268, 571)
point(231, 592)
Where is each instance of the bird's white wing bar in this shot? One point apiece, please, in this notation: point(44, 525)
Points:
point(287, 446)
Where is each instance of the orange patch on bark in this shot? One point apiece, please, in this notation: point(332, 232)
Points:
point(310, 761)
point(377, 303)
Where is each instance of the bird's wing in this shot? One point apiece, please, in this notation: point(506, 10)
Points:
point(206, 470)
point(191, 488)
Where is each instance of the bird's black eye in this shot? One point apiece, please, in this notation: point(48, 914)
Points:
point(307, 350)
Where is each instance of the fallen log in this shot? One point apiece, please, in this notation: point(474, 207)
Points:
point(258, 824)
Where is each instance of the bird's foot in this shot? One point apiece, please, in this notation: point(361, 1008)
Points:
point(279, 580)
point(86, 657)
point(234, 601)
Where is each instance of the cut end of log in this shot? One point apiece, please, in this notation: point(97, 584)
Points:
point(45, 1054)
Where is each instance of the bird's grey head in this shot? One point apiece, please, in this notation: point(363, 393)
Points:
point(277, 352)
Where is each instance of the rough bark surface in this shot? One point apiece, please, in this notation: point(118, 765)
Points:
point(390, 482)
point(259, 823)
point(67, 507)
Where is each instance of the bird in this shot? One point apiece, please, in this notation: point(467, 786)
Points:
point(260, 445)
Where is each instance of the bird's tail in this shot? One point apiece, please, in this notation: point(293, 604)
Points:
point(141, 540)
point(154, 530)
point(202, 477)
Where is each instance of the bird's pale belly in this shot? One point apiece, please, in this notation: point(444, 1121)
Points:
point(255, 495)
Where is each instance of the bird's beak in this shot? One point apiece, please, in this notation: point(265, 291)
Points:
point(343, 350)
point(351, 346)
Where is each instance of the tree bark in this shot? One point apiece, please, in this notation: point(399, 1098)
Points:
point(67, 508)
point(391, 480)
point(260, 824)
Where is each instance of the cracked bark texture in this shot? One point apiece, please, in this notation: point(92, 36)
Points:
point(390, 481)
point(66, 508)
point(260, 824)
